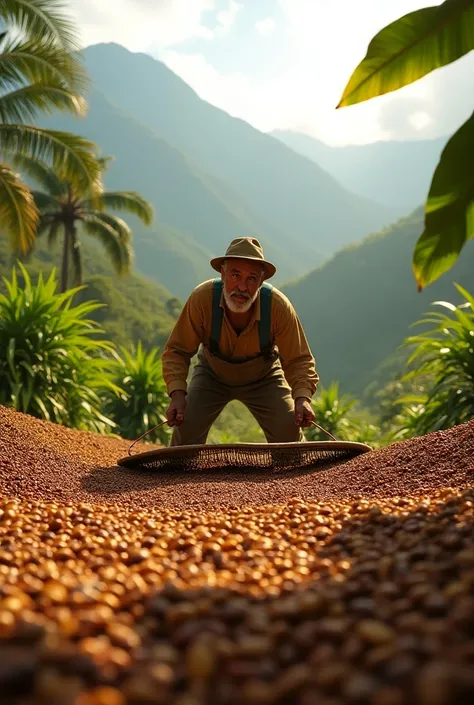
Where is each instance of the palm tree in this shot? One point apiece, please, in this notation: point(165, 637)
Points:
point(67, 210)
point(40, 71)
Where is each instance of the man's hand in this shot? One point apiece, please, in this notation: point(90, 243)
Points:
point(304, 413)
point(175, 413)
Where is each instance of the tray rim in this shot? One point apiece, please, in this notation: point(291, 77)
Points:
point(171, 451)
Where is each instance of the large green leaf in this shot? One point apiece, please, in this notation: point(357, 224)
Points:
point(18, 213)
point(449, 211)
point(411, 47)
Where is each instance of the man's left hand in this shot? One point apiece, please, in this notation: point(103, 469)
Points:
point(304, 413)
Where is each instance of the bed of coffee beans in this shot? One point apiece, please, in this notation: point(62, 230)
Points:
point(329, 599)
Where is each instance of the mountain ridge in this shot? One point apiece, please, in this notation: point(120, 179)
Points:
point(287, 191)
point(362, 168)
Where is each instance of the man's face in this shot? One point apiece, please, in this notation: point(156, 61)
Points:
point(242, 281)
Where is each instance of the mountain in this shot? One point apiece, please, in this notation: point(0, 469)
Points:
point(135, 308)
point(358, 306)
point(268, 188)
point(392, 172)
point(192, 220)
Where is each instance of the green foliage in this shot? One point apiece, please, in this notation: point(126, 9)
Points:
point(411, 47)
point(142, 399)
point(18, 213)
point(449, 214)
point(399, 54)
point(50, 365)
point(445, 353)
point(133, 307)
point(333, 412)
point(40, 73)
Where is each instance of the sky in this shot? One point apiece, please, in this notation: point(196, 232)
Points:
point(283, 64)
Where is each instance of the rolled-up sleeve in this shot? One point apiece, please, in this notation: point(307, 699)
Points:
point(297, 360)
point(183, 344)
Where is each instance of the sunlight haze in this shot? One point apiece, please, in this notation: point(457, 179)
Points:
point(283, 64)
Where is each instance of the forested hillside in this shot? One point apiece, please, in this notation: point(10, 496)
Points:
point(392, 172)
point(358, 307)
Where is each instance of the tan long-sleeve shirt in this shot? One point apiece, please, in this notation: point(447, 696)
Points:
point(193, 328)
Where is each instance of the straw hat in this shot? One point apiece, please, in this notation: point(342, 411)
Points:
point(245, 248)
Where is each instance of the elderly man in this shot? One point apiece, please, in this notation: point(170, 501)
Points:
point(252, 348)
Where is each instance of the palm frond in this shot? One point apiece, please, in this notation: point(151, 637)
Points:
point(42, 19)
point(120, 252)
point(127, 201)
point(53, 234)
point(23, 104)
point(46, 204)
point(72, 157)
point(18, 213)
point(41, 173)
point(119, 226)
point(23, 60)
point(49, 226)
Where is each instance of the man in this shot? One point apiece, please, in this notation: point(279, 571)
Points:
point(252, 348)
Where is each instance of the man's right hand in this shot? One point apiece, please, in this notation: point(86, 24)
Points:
point(175, 413)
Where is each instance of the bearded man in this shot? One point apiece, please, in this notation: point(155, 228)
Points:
point(252, 348)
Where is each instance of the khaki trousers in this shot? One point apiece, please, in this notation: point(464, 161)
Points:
point(268, 399)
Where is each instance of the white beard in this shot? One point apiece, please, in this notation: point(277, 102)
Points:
point(239, 307)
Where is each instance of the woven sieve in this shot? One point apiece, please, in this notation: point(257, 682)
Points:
point(260, 456)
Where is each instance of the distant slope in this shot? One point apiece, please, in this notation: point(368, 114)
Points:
point(292, 198)
point(136, 309)
point(357, 307)
point(192, 222)
point(395, 173)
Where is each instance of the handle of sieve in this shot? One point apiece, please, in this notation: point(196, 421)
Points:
point(146, 434)
point(323, 430)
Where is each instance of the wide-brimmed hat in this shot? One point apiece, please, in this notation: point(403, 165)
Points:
point(245, 248)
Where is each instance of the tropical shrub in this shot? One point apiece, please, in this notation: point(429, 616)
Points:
point(446, 354)
point(401, 53)
point(50, 365)
point(334, 412)
point(140, 399)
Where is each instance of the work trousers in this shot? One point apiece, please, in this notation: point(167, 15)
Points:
point(269, 399)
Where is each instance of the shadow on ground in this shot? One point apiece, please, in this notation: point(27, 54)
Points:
point(116, 480)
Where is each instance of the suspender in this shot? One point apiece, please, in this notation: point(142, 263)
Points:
point(217, 315)
point(264, 324)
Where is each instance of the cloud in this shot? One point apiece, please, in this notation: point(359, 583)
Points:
point(226, 18)
point(266, 26)
point(141, 24)
point(232, 92)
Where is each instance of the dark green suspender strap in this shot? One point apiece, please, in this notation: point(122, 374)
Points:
point(264, 327)
point(264, 324)
point(217, 315)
